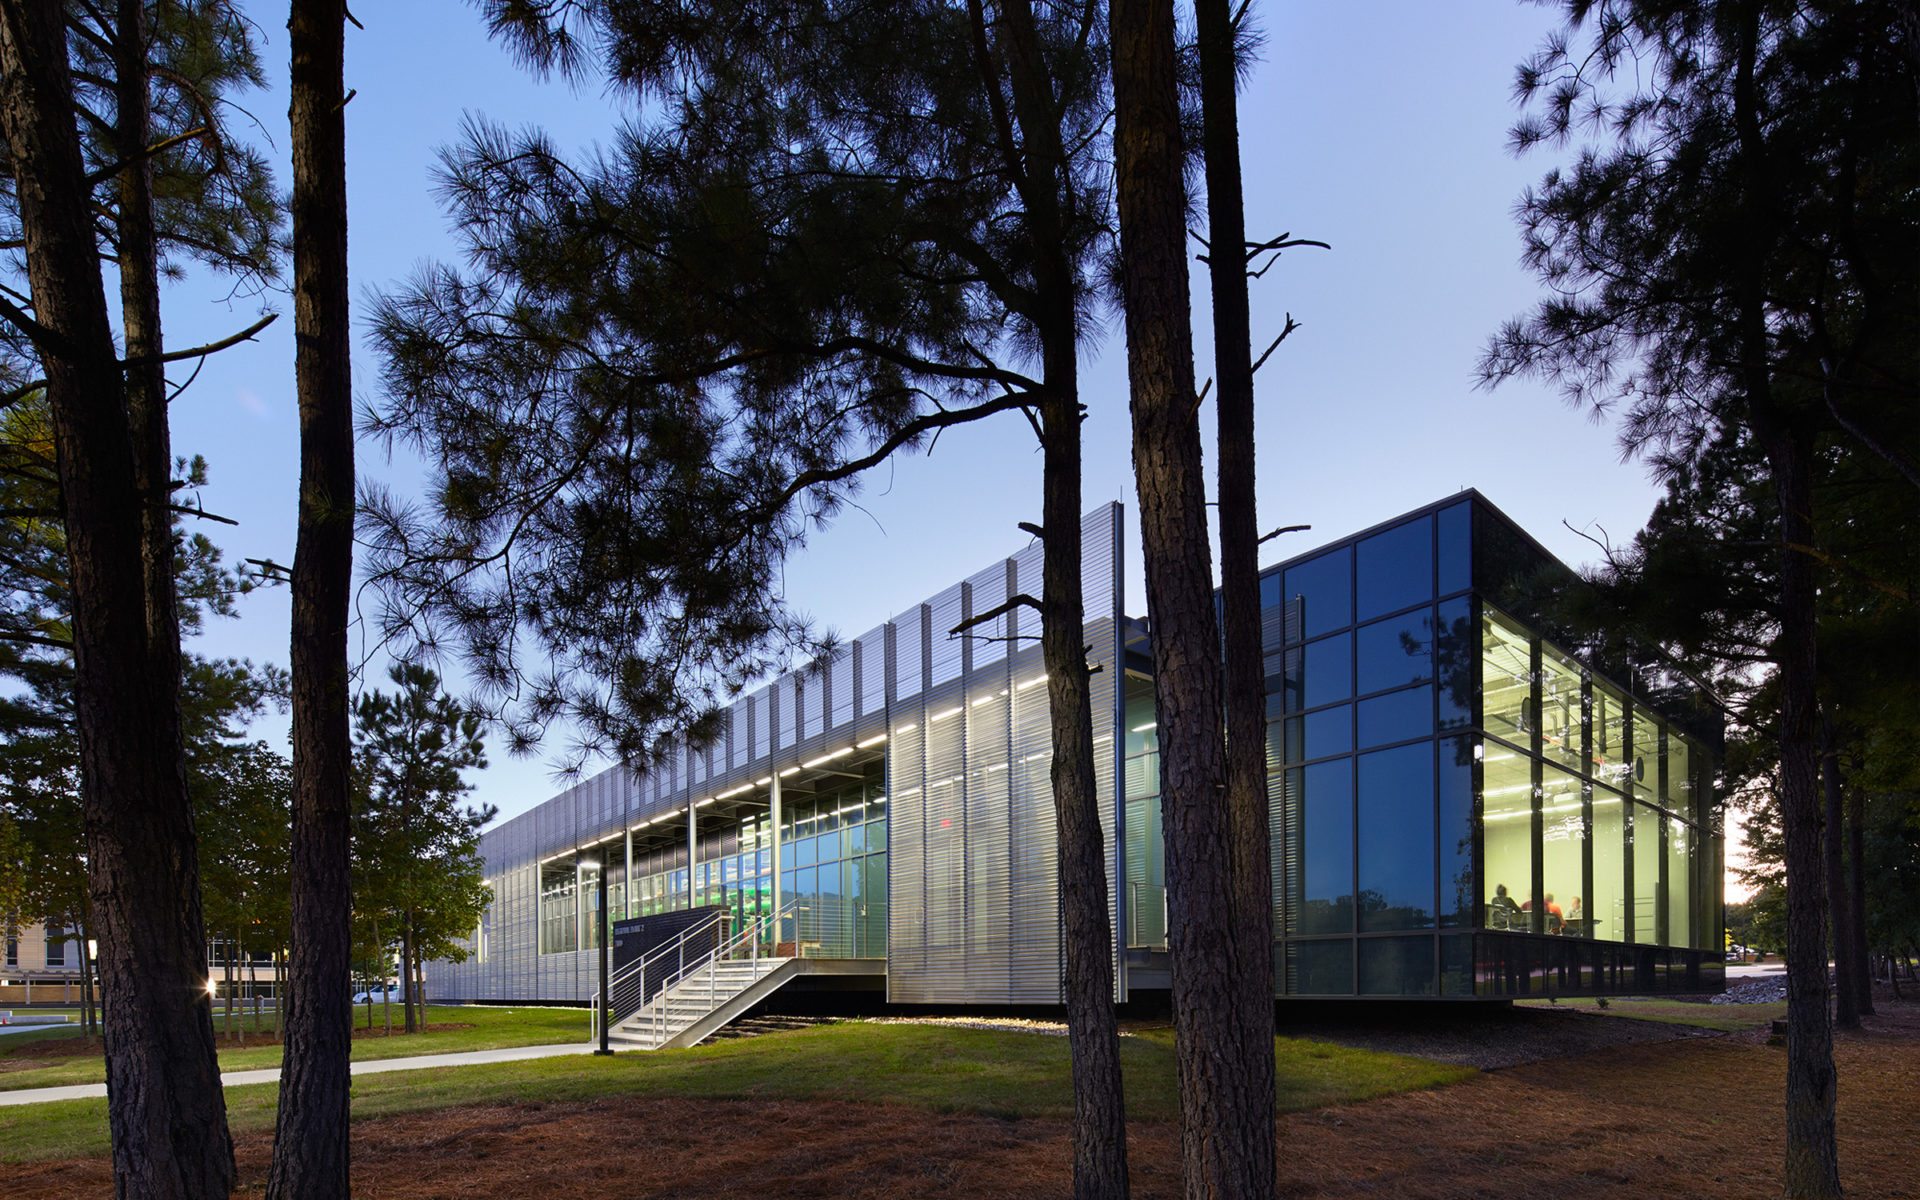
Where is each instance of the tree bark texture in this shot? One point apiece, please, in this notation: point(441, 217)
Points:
point(165, 1109)
point(1249, 811)
point(1221, 1128)
point(1813, 1159)
point(1813, 1164)
point(310, 1152)
point(1099, 1106)
point(140, 321)
point(1846, 1005)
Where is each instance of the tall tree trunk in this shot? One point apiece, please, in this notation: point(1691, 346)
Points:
point(166, 1112)
point(1221, 1128)
point(1846, 1014)
point(1813, 1159)
point(1857, 895)
point(140, 319)
point(407, 992)
point(310, 1152)
point(1099, 1106)
point(1248, 809)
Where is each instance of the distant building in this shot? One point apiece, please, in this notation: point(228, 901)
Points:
point(1464, 807)
point(42, 965)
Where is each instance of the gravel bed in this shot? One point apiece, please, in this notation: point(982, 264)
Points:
point(1762, 990)
point(1000, 1024)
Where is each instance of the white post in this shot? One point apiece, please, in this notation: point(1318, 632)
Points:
point(693, 851)
point(775, 878)
point(627, 889)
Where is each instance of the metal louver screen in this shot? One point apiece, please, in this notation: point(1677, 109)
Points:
point(974, 912)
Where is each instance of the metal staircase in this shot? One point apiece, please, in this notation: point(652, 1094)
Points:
point(680, 993)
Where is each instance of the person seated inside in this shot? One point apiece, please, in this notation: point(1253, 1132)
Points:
point(1576, 919)
point(1502, 912)
point(1556, 920)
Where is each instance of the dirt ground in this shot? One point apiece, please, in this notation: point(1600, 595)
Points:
point(1698, 1117)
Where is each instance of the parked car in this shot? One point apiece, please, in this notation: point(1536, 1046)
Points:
point(381, 993)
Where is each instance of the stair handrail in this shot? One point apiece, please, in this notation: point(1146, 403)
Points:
point(655, 963)
point(748, 935)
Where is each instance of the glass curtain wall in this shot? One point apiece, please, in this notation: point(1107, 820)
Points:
point(835, 873)
point(1593, 796)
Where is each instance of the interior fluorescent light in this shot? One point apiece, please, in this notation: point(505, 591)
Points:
point(1144, 728)
point(811, 763)
point(1037, 679)
point(871, 742)
point(941, 716)
point(789, 771)
point(763, 782)
point(907, 728)
point(842, 753)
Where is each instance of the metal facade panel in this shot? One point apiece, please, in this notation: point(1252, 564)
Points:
point(973, 906)
point(974, 875)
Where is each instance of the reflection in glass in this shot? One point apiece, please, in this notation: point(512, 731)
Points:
point(1609, 750)
point(1679, 884)
point(1645, 775)
point(1680, 791)
point(1508, 846)
point(1506, 675)
point(1319, 673)
point(1396, 716)
point(1645, 834)
point(1396, 838)
point(1559, 708)
point(1320, 968)
point(1563, 841)
point(1456, 832)
point(1321, 591)
point(1607, 906)
point(1455, 566)
point(1320, 813)
point(1395, 652)
point(1398, 966)
point(1455, 650)
point(1316, 735)
point(1394, 569)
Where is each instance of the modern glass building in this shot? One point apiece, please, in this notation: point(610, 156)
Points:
point(1462, 805)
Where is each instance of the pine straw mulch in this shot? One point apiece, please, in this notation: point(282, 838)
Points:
point(54, 1050)
point(1695, 1118)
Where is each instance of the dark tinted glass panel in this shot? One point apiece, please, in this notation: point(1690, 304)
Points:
point(1454, 654)
point(1396, 716)
point(1456, 966)
point(1396, 839)
point(1396, 967)
point(1395, 652)
point(1456, 833)
point(1395, 569)
point(1321, 813)
point(1322, 589)
point(1270, 590)
point(1316, 735)
point(1320, 672)
point(1321, 968)
point(1456, 535)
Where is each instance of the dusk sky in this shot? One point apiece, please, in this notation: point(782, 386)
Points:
point(1378, 127)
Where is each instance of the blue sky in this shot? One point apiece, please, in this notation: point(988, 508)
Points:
point(1378, 127)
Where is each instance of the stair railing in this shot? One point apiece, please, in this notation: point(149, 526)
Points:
point(743, 943)
point(665, 965)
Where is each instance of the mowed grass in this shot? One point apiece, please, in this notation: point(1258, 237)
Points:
point(1727, 1018)
point(491, 1029)
point(941, 1068)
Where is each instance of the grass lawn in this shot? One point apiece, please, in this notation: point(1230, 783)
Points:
point(941, 1068)
point(491, 1028)
point(1727, 1018)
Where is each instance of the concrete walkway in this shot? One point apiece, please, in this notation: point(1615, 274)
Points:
point(418, 1062)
